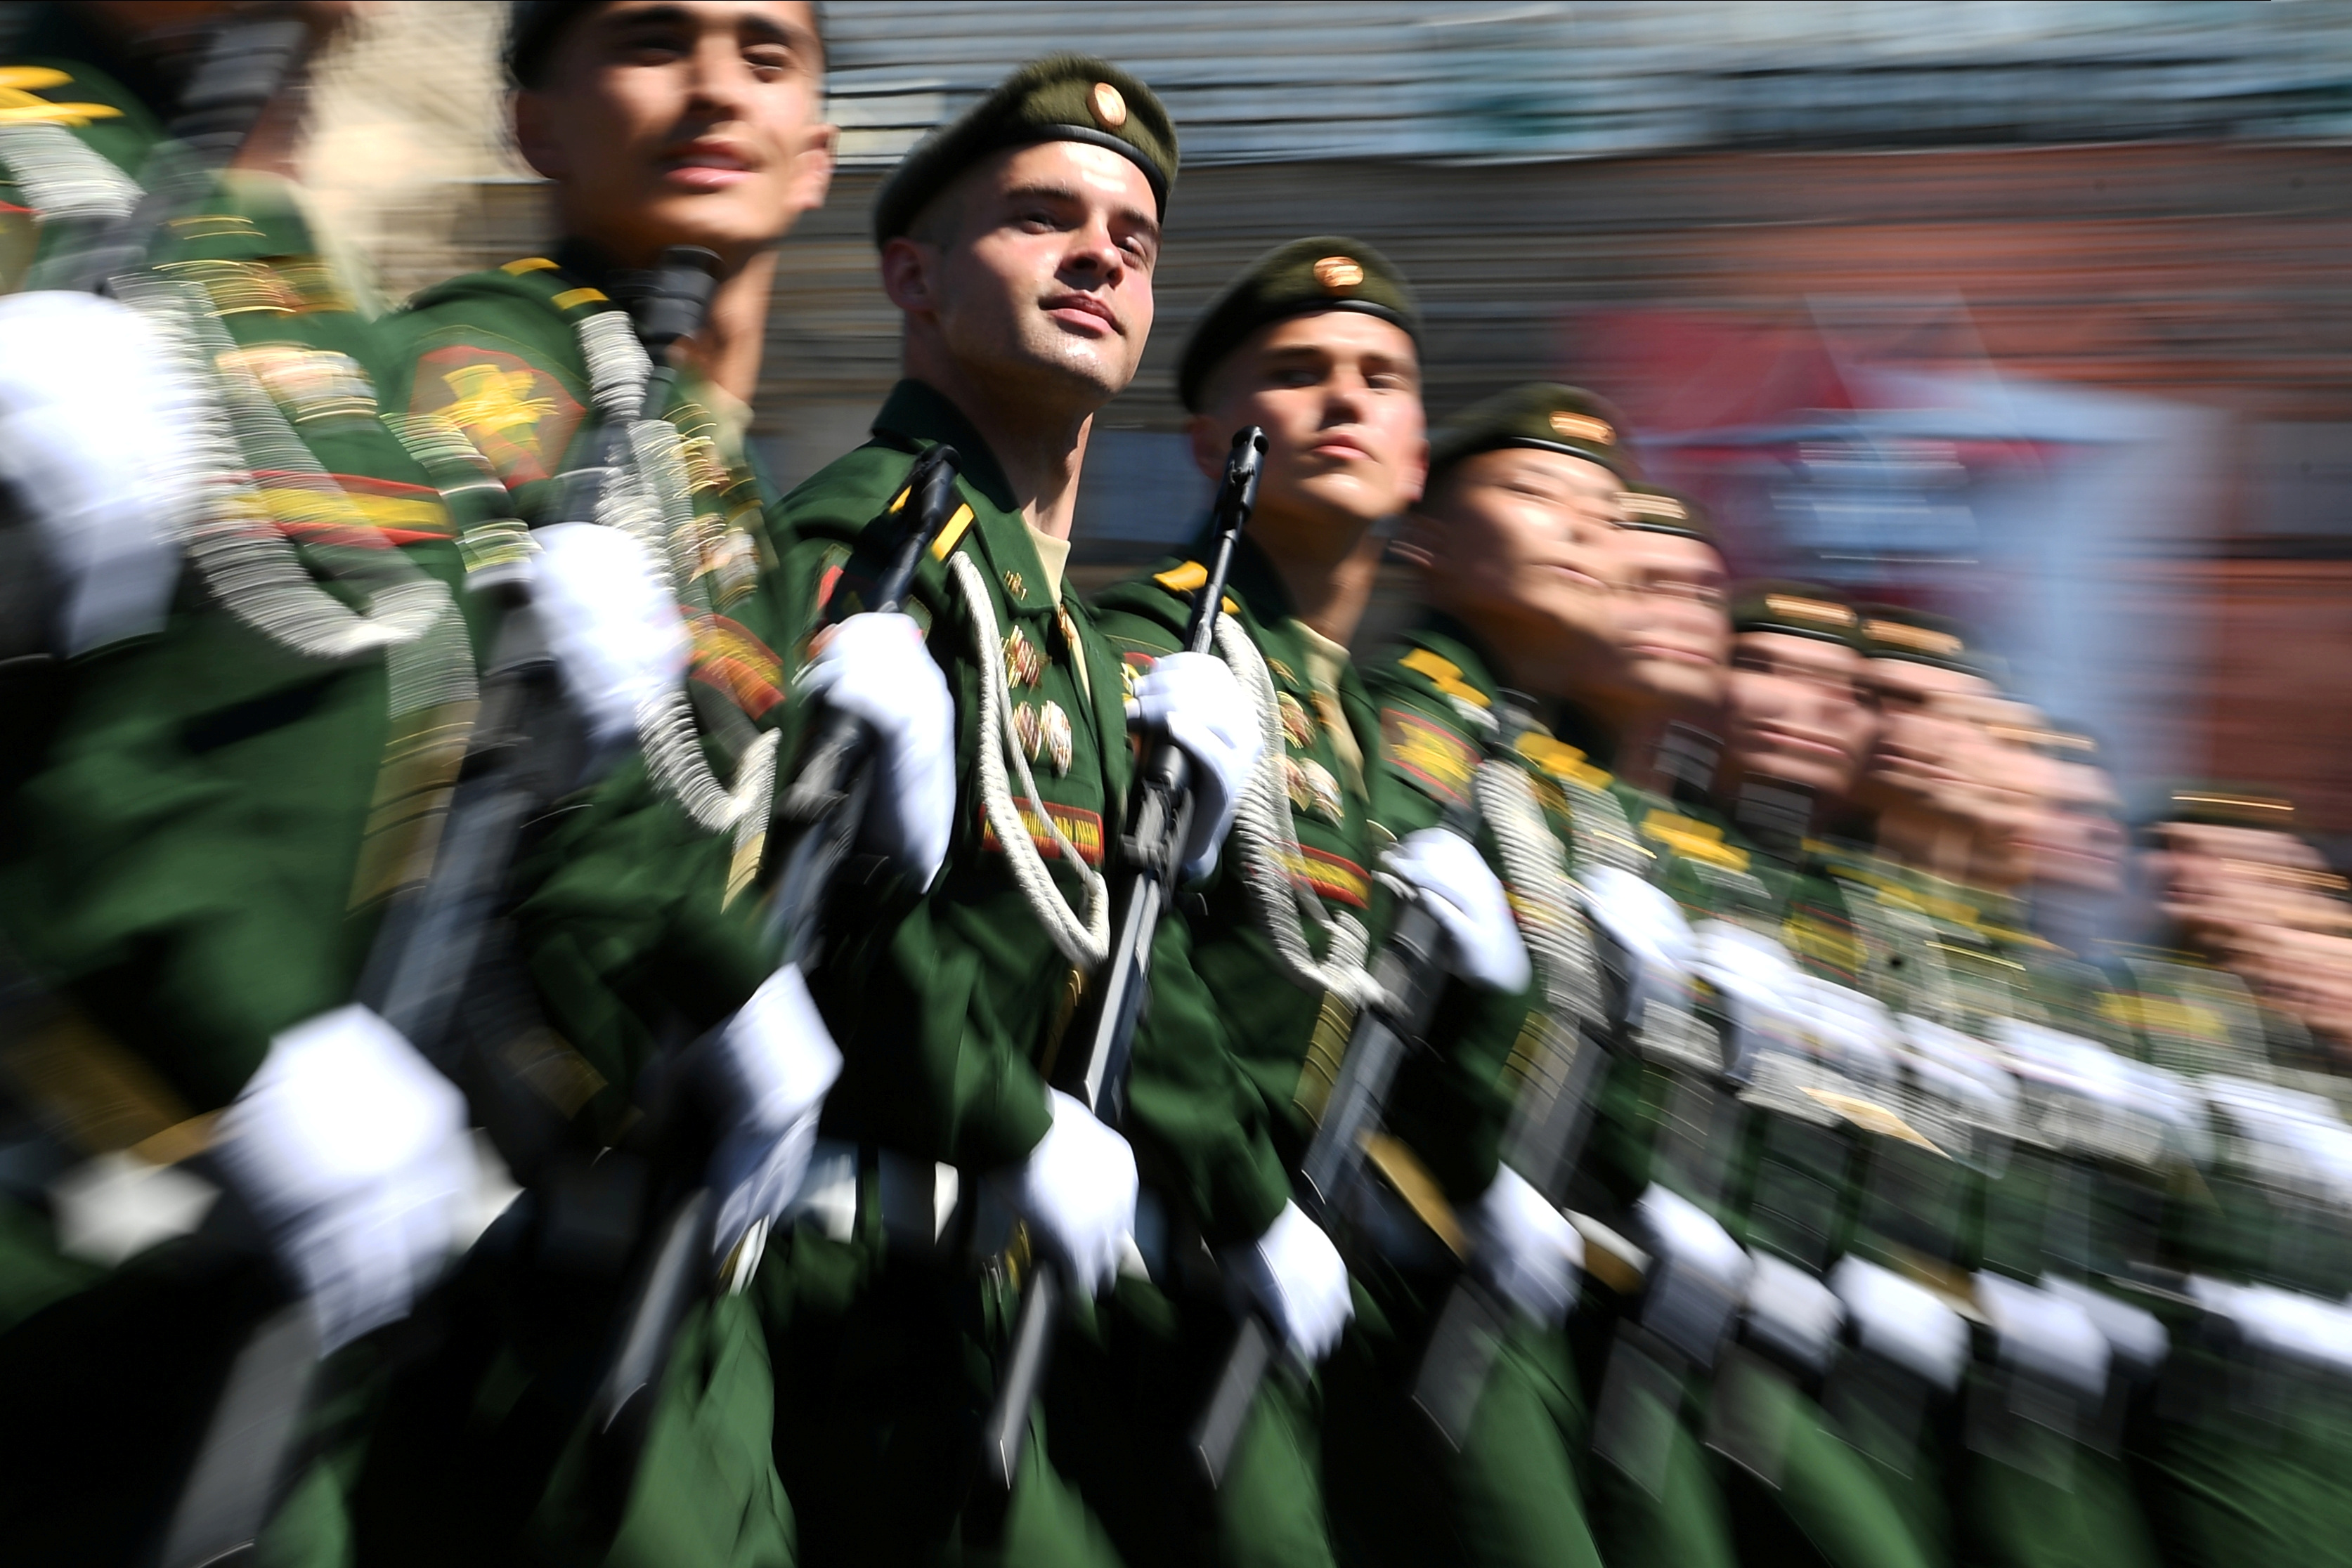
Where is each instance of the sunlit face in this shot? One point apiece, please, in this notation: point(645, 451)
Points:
point(1678, 635)
point(670, 122)
point(1797, 711)
point(1036, 261)
point(2075, 838)
point(1521, 538)
point(1928, 725)
point(1339, 395)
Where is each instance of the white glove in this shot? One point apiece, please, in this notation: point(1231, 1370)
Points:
point(1296, 1276)
point(1454, 882)
point(611, 623)
point(1650, 931)
point(353, 1153)
point(876, 668)
point(1526, 1249)
point(95, 423)
point(1076, 1191)
point(769, 1066)
point(1194, 698)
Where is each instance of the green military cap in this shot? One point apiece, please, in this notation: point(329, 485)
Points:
point(1899, 632)
point(1797, 609)
point(532, 29)
point(1062, 98)
point(1321, 272)
point(1542, 414)
point(2219, 805)
point(1651, 509)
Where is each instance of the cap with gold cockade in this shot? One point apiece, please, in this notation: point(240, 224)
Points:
point(1321, 272)
point(1651, 509)
point(1920, 636)
point(1797, 609)
point(1542, 414)
point(1062, 98)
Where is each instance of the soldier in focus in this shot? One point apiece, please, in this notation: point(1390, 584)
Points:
point(1019, 242)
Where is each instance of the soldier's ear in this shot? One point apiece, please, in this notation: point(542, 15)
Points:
point(1210, 442)
point(1414, 472)
point(535, 137)
point(908, 274)
point(812, 170)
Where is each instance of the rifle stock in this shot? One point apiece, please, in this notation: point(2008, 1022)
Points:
point(1160, 822)
point(1412, 976)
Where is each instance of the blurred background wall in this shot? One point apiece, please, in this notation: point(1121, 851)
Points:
point(2035, 312)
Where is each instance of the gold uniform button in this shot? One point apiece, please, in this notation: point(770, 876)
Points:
point(1109, 107)
point(1338, 274)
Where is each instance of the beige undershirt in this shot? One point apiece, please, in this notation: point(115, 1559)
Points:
point(1054, 555)
point(1324, 660)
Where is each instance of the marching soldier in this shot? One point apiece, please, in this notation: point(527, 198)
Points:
point(1019, 242)
point(251, 678)
point(1316, 342)
point(642, 526)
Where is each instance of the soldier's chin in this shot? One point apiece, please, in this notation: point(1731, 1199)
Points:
point(730, 222)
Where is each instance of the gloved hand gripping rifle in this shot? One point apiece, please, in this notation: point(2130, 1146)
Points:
point(1153, 846)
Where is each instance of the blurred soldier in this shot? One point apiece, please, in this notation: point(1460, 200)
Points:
point(1674, 595)
point(2253, 1402)
point(1019, 242)
point(252, 681)
point(2075, 843)
point(1316, 342)
point(658, 125)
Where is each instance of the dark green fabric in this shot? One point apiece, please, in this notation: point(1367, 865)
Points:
point(1059, 98)
point(1321, 272)
point(1540, 414)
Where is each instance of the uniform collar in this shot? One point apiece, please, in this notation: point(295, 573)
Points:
point(918, 413)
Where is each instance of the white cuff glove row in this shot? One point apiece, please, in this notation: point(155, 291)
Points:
point(1526, 1249)
point(353, 1153)
point(876, 668)
point(1452, 879)
point(1653, 939)
point(1296, 1276)
point(1076, 1190)
point(770, 1067)
point(611, 623)
point(94, 422)
point(1195, 699)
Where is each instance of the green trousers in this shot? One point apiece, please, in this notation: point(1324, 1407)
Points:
point(1400, 1495)
point(1129, 1384)
point(885, 1368)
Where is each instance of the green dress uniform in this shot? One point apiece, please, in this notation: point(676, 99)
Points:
point(1514, 1492)
point(887, 1310)
point(636, 929)
point(198, 843)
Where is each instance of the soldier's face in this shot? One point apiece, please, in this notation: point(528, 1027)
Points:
point(1677, 637)
point(1339, 394)
point(1034, 272)
point(1518, 542)
point(1797, 711)
point(1928, 728)
point(2076, 837)
point(670, 122)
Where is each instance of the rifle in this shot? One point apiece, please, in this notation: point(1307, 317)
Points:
point(1412, 976)
point(828, 798)
point(1158, 825)
point(1545, 1131)
point(426, 965)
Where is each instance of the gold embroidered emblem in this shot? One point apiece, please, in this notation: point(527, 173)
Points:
point(1025, 665)
point(1338, 274)
point(1109, 105)
point(1013, 584)
point(1297, 723)
point(498, 401)
point(1583, 427)
point(1053, 735)
point(1311, 789)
